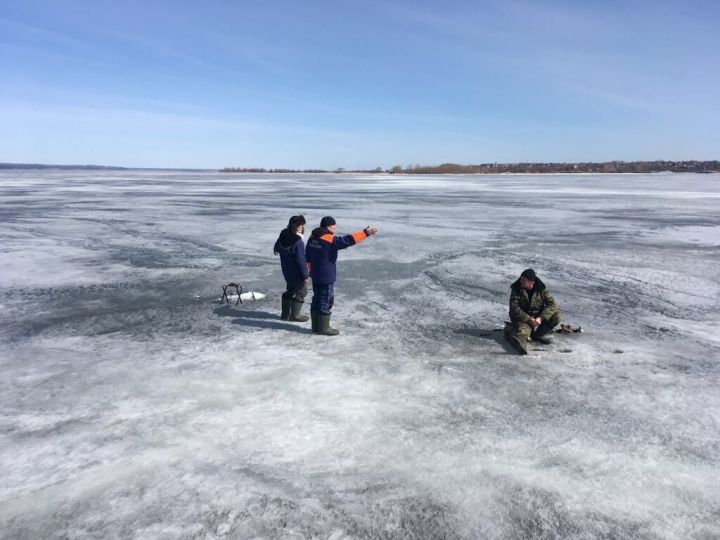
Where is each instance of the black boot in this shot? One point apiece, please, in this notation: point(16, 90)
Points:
point(295, 313)
point(542, 333)
point(286, 309)
point(314, 314)
point(324, 327)
point(545, 339)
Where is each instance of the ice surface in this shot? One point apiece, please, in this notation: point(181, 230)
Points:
point(132, 404)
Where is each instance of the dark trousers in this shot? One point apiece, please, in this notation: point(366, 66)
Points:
point(296, 291)
point(323, 298)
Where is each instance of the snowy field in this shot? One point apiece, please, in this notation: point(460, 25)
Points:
point(132, 405)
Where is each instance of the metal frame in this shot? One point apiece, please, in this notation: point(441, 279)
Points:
point(238, 288)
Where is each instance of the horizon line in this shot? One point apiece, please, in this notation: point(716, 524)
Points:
point(87, 166)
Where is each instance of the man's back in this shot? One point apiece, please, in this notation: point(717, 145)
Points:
point(291, 249)
point(321, 253)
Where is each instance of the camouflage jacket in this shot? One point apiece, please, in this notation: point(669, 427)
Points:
point(522, 308)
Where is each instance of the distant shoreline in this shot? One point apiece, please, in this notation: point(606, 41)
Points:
point(607, 167)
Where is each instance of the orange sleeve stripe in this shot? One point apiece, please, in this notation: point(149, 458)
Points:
point(359, 236)
point(327, 238)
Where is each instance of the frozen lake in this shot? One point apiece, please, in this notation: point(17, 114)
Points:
point(133, 405)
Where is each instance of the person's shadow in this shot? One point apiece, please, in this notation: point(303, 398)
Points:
point(259, 319)
point(491, 334)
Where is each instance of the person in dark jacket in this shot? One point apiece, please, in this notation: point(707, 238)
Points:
point(321, 254)
point(291, 248)
point(533, 311)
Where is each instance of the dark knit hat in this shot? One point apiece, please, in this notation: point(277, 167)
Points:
point(529, 274)
point(327, 221)
point(296, 221)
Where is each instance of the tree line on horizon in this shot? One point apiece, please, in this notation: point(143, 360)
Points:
point(530, 168)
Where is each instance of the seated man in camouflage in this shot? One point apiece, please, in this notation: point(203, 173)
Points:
point(533, 312)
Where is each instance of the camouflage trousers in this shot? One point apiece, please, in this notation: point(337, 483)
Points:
point(524, 331)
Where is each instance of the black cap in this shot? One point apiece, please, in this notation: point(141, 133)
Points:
point(529, 274)
point(327, 221)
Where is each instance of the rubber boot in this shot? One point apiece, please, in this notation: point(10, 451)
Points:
point(545, 339)
point(286, 309)
point(314, 314)
point(517, 343)
point(324, 328)
point(295, 313)
point(542, 334)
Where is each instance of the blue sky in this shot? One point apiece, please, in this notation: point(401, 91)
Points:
point(357, 83)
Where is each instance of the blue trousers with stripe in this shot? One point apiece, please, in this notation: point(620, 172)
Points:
point(323, 298)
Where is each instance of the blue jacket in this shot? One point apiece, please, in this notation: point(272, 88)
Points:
point(321, 253)
point(292, 256)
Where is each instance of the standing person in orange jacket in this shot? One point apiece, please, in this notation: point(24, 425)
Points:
point(321, 254)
